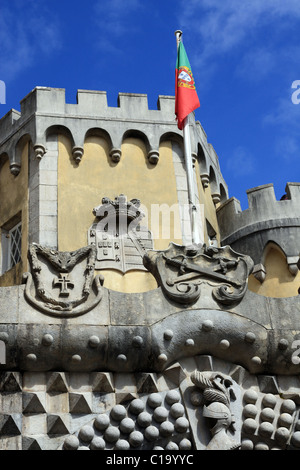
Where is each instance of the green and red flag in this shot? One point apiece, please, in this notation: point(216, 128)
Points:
point(186, 98)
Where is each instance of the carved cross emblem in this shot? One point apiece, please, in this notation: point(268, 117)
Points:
point(64, 283)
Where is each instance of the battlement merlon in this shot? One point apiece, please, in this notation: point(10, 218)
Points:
point(264, 212)
point(90, 103)
point(48, 106)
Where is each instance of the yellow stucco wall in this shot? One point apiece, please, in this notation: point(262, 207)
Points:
point(82, 187)
point(279, 282)
point(207, 205)
point(13, 207)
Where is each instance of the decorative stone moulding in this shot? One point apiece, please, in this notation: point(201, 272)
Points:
point(293, 264)
point(15, 168)
point(216, 197)
point(77, 153)
point(194, 158)
point(92, 343)
point(153, 157)
point(259, 272)
point(205, 179)
point(115, 154)
point(39, 151)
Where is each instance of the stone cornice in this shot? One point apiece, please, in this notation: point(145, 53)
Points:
point(149, 332)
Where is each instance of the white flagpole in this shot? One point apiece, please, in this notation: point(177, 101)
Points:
point(189, 169)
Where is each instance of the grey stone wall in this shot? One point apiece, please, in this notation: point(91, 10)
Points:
point(149, 332)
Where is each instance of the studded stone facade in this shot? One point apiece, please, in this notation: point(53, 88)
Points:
point(144, 411)
point(62, 385)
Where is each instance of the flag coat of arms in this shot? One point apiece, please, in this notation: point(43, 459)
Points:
point(186, 98)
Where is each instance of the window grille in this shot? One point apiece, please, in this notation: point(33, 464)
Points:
point(15, 240)
point(11, 243)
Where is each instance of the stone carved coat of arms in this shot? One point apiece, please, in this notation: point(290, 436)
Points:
point(62, 284)
point(118, 236)
point(181, 270)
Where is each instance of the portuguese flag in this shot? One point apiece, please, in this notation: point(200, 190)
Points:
point(186, 98)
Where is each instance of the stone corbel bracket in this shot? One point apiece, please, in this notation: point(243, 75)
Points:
point(153, 156)
point(77, 152)
point(259, 272)
point(205, 180)
point(293, 263)
point(115, 154)
point(15, 162)
point(39, 151)
point(15, 168)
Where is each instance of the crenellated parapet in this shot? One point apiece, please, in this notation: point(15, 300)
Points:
point(265, 220)
point(44, 111)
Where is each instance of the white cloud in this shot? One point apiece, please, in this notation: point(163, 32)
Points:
point(25, 31)
point(257, 64)
point(288, 148)
point(285, 118)
point(222, 28)
point(112, 19)
point(285, 113)
point(241, 163)
point(112, 16)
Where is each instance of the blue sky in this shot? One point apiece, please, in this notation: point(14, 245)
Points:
point(245, 56)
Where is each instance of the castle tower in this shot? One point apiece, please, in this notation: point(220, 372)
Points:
point(59, 160)
point(268, 231)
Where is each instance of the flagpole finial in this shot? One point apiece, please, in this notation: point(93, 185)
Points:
point(178, 34)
